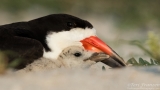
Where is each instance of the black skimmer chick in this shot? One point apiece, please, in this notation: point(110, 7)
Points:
point(49, 35)
point(70, 57)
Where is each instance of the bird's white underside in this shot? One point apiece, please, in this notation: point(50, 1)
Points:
point(58, 41)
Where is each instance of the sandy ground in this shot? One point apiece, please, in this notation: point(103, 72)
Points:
point(130, 78)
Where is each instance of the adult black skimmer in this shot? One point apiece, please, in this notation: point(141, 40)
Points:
point(49, 35)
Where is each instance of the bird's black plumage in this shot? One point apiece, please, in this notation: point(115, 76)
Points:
point(27, 39)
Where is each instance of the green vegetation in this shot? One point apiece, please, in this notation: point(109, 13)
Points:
point(151, 47)
point(103, 68)
point(3, 63)
point(8, 59)
point(142, 62)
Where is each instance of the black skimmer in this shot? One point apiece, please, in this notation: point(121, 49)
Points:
point(49, 35)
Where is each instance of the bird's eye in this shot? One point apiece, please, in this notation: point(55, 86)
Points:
point(70, 24)
point(77, 54)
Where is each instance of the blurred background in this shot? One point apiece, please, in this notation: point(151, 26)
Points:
point(120, 23)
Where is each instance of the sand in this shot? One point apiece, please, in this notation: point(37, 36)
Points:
point(130, 78)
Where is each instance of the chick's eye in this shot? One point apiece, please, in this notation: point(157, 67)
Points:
point(77, 54)
point(70, 24)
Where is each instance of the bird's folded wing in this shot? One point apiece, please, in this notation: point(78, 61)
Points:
point(26, 48)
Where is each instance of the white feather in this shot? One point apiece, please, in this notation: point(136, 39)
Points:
point(58, 41)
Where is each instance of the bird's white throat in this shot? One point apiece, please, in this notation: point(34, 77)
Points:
point(60, 40)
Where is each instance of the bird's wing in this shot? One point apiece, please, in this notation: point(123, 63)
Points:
point(17, 39)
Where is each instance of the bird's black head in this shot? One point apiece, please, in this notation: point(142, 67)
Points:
point(60, 22)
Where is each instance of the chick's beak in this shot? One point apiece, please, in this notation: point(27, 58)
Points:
point(95, 44)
